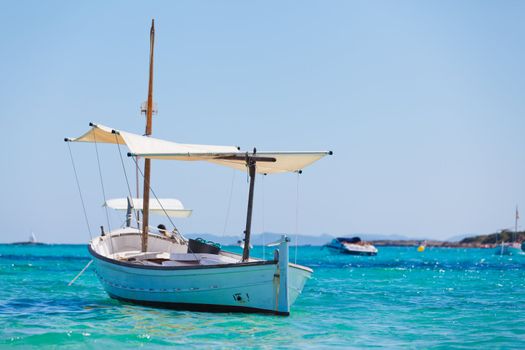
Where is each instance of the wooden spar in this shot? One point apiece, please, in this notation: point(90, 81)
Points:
point(251, 162)
point(147, 162)
point(241, 157)
point(251, 168)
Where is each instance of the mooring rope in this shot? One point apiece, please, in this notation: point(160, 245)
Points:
point(79, 191)
point(80, 273)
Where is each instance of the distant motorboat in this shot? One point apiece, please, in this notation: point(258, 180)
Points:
point(352, 246)
point(31, 241)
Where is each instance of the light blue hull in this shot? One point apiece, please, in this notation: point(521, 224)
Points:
point(256, 286)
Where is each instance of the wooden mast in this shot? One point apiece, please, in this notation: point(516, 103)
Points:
point(147, 162)
point(250, 162)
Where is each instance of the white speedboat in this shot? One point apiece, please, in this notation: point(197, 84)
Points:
point(137, 265)
point(353, 246)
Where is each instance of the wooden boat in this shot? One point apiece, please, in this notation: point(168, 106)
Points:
point(135, 264)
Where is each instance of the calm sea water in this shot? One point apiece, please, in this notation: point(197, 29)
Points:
point(441, 298)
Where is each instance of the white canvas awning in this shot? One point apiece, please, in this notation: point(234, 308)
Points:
point(230, 156)
point(99, 133)
point(170, 206)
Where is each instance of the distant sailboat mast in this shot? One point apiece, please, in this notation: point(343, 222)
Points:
point(147, 161)
point(516, 224)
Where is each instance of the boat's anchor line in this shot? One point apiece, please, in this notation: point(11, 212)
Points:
point(80, 273)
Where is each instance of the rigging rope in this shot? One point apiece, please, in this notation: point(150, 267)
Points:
point(229, 204)
point(137, 183)
point(79, 191)
point(155, 195)
point(160, 204)
point(125, 175)
point(103, 191)
point(262, 212)
point(101, 180)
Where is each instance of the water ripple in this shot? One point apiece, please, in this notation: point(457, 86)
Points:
point(443, 298)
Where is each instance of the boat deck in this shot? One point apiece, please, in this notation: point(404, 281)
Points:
point(173, 259)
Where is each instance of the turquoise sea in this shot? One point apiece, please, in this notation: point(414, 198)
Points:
point(441, 298)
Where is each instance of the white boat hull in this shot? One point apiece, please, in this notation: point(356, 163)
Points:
point(352, 252)
point(255, 286)
point(339, 246)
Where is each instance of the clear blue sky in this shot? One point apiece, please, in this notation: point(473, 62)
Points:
point(421, 101)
